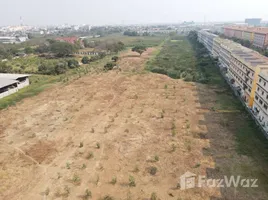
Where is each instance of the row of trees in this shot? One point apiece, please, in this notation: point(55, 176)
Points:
point(131, 33)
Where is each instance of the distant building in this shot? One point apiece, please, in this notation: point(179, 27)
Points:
point(253, 21)
point(13, 39)
point(11, 83)
point(256, 35)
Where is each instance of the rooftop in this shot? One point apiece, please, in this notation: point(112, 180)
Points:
point(251, 58)
point(6, 82)
point(12, 76)
point(261, 30)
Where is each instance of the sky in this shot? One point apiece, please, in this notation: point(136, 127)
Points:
point(114, 12)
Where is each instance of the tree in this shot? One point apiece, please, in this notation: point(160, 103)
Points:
point(139, 49)
point(115, 58)
point(28, 50)
point(131, 33)
point(42, 49)
point(85, 60)
point(72, 63)
point(62, 49)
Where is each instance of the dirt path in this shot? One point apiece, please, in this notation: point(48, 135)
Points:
point(105, 126)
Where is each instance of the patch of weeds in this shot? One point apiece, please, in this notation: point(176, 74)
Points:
point(81, 144)
point(87, 195)
point(188, 145)
point(197, 165)
point(68, 165)
point(76, 179)
point(131, 181)
point(107, 197)
point(166, 86)
point(84, 166)
point(66, 190)
point(153, 196)
point(136, 169)
point(59, 175)
point(47, 191)
point(156, 158)
point(98, 145)
point(173, 148)
point(114, 180)
point(152, 170)
point(97, 180)
point(90, 155)
point(173, 129)
point(187, 126)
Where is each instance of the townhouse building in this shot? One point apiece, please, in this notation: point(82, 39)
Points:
point(258, 36)
point(247, 71)
point(207, 39)
point(260, 105)
point(245, 67)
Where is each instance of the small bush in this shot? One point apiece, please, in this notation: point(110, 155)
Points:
point(109, 66)
point(156, 158)
point(76, 179)
point(114, 180)
point(81, 144)
point(68, 165)
point(131, 181)
point(72, 63)
point(152, 170)
point(115, 58)
point(90, 155)
point(88, 194)
point(85, 60)
point(153, 196)
point(107, 197)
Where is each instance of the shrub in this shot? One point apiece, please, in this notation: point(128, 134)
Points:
point(131, 181)
point(153, 196)
point(115, 58)
point(88, 194)
point(72, 63)
point(109, 66)
point(114, 180)
point(60, 68)
point(85, 60)
point(152, 170)
point(90, 155)
point(159, 70)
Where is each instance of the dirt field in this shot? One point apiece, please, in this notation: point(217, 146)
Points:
point(101, 130)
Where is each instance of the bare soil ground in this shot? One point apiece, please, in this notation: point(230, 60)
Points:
point(111, 126)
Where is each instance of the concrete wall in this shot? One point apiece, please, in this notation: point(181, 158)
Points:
point(9, 92)
point(24, 83)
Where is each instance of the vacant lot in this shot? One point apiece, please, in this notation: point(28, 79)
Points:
point(130, 135)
